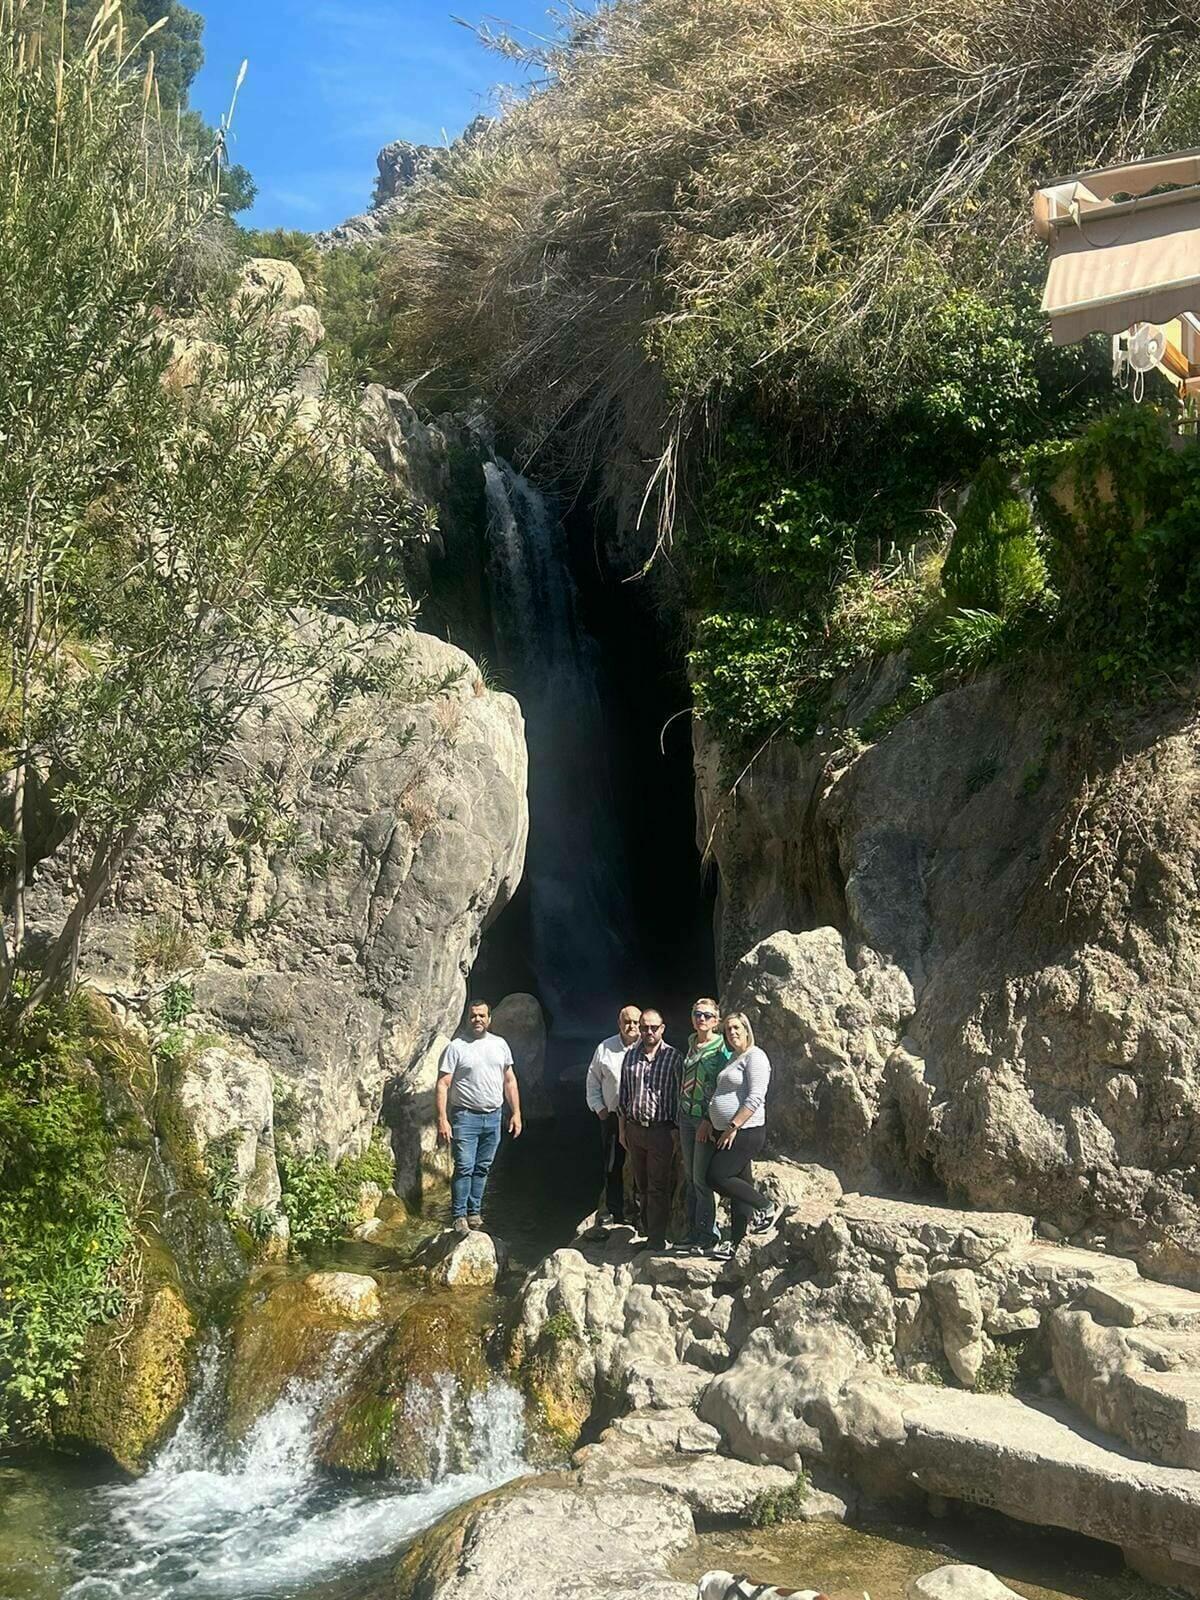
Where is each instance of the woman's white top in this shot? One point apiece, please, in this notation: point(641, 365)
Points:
point(741, 1082)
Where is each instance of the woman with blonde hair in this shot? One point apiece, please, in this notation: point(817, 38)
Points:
point(736, 1124)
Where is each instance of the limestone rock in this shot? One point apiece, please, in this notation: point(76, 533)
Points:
point(540, 1540)
point(408, 1109)
point(1036, 892)
point(959, 1583)
point(350, 1296)
point(264, 276)
point(404, 1409)
point(519, 1019)
point(226, 1099)
point(473, 1261)
point(132, 1383)
point(401, 167)
point(1142, 1384)
point(762, 1403)
point(956, 1296)
point(667, 1387)
point(353, 946)
point(829, 1021)
point(287, 1330)
point(795, 1184)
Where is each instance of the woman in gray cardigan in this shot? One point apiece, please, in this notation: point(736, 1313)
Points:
point(737, 1127)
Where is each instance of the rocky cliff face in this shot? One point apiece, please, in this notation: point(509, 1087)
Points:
point(999, 999)
point(324, 895)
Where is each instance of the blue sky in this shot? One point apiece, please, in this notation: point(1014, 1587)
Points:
point(330, 81)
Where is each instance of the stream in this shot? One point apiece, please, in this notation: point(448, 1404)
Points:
point(207, 1521)
point(261, 1521)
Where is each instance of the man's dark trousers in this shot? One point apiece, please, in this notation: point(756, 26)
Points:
point(652, 1155)
point(614, 1166)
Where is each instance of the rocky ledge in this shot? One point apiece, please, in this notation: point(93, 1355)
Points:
point(915, 1352)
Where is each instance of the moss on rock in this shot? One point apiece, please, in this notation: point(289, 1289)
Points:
point(285, 1331)
point(132, 1382)
point(392, 1417)
point(551, 1376)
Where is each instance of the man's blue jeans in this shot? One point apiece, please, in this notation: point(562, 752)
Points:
point(474, 1140)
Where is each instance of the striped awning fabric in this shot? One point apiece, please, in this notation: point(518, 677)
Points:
point(1117, 262)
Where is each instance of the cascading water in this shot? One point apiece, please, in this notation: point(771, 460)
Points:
point(579, 904)
point(260, 1520)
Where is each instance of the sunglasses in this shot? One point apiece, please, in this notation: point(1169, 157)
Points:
point(704, 1016)
point(651, 1027)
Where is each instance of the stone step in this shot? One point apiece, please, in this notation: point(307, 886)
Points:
point(1145, 1304)
point(1166, 1349)
point(1041, 1463)
point(1067, 1262)
point(876, 1221)
point(1164, 1409)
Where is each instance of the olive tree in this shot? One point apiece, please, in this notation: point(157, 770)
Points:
point(185, 512)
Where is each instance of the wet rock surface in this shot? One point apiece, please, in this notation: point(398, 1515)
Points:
point(133, 1382)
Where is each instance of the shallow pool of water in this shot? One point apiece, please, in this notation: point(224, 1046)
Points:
point(879, 1561)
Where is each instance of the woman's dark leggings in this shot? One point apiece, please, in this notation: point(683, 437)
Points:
point(729, 1174)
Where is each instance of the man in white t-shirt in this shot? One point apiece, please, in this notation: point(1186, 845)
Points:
point(475, 1078)
point(603, 1087)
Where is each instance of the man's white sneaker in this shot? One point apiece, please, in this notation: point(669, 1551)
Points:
point(461, 1225)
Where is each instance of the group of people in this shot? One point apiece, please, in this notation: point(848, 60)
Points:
point(701, 1109)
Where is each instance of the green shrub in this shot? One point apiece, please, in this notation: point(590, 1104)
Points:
point(176, 1003)
point(220, 1165)
point(65, 1230)
point(746, 673)
point(999, 1370)
point(780, 1505)
point(560, 1329)
point(971, 640)
point(260, 1222)
point(1123, 506)
point(995, 561)
point(320, 1199)
point(165, 946)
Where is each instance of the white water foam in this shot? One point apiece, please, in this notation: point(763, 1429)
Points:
point(262, 1520)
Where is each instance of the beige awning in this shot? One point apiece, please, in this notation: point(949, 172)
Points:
point(1116, 263)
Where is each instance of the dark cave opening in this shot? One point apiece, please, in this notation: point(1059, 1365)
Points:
point(664, 951)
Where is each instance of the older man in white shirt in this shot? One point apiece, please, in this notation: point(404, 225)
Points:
point(603, 1088)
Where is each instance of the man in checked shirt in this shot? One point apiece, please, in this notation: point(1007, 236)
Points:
point(647, 1105)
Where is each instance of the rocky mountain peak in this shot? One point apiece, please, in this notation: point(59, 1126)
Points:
point(401, 167)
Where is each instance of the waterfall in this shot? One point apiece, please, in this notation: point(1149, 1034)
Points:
point(579, 905)
point(213, 1520)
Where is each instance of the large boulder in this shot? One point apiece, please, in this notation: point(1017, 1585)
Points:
point(133, 1381)
point(519, 1019)
point(828, 1019)
point(542, 1538)
point(353, 867)
point(1033, 877)
point(406, 1410)
point(289, 1331)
